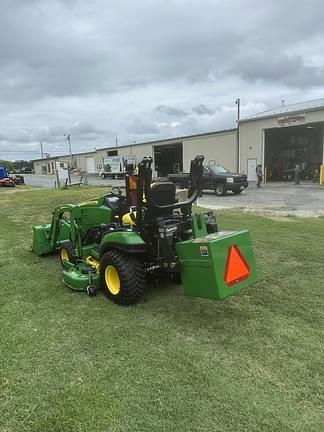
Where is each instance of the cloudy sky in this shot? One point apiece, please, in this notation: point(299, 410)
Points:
point(145, 70)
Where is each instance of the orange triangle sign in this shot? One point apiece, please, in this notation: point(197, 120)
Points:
point(237, 269)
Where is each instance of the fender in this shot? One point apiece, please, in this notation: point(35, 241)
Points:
point(125, 241)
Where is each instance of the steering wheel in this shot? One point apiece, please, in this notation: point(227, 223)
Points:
point(116, 191)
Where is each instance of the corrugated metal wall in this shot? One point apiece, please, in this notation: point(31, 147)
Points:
point(252, 134)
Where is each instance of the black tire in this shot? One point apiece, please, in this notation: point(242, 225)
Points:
point(126, 276)
point(103, 176)
point(237, 192)
point(220, 189)
point(176, 278)
point(66, 253)
point(91, 291)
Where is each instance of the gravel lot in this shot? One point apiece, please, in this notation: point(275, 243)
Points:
point(277, 199)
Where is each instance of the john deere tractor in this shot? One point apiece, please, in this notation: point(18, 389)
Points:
point(115, 242)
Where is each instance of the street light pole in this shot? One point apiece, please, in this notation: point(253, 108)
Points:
point(238, 102)
point(68, 137)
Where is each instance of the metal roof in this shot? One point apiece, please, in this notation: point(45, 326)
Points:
point(166, 140)
point(287, 109)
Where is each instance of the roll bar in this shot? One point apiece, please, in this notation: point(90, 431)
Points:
point(195, 183)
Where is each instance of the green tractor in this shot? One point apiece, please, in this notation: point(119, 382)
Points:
point(115, 242)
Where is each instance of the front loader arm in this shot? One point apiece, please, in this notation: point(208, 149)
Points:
point(57, 220)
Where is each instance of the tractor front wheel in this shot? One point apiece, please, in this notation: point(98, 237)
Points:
point(122, 277)
point(67, 253)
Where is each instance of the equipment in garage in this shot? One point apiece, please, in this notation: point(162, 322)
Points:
point(285, 147)
point(115, 242)
point(168, 159)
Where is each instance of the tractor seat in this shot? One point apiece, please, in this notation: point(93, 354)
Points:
point(118, 205)
point(163, 193)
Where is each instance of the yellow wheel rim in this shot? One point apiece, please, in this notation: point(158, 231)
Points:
point(64, 255)
point(112, 280)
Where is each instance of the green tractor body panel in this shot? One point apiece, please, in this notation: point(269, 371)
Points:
point(94, 216)
point(217, 265)
point(124, 240)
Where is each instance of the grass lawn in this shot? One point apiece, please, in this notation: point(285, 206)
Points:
point(253, 362)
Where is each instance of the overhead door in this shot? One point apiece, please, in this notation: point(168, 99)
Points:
point(285, 147)
point(90, 165)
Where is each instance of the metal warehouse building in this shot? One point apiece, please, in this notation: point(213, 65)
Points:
point(277, 138)
point(215, 146)
point(282, 137)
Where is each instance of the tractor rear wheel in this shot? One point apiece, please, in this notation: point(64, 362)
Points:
point(67, 253)
point(122, 277)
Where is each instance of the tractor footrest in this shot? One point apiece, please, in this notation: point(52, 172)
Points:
point(217, 265)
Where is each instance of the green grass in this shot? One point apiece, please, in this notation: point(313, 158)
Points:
point(253, 362)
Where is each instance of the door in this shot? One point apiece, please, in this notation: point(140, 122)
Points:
point(90, 165)
point(251, 167)
point(208, 179)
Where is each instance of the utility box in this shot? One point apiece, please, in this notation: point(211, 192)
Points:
point(217, 265)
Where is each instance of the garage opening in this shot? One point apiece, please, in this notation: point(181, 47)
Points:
point(285, 147)
point(168, 159)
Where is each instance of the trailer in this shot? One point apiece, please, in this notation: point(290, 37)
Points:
point(117, 166)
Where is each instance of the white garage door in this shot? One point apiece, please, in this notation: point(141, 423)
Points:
point(90, 165)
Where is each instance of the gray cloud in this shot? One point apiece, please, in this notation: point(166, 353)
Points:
point(202, 110)
point(142, 126)
point(141, 71)
point(171, 111)
point(282, 68)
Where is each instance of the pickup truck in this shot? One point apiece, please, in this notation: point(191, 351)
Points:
point(217, 178)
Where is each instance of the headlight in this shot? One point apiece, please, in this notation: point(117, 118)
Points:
point(229, 180)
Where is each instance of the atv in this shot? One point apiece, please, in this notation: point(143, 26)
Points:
point(116, 242)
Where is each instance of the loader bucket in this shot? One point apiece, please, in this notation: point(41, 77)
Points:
point(217, 265)
point(41, 243)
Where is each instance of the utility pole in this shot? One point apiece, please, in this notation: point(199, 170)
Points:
point(68, 137)
point(238, 102)
point(42, 152)
point(116, 142)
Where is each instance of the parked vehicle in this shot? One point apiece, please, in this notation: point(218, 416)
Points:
point(18, 179)
point(117, 166)
point(26, 170)
point(216, 178)
point(5, 179)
